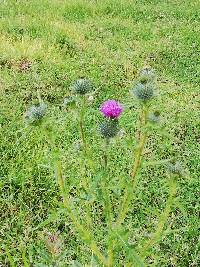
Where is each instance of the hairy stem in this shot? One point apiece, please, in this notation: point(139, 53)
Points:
point(107, 202)
point(105, 153)
point(138, 158)
point(81, 124)
point(137, 163)
point(110, 252)
point(105, 183)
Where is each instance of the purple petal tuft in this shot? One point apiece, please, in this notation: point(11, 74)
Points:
point(111, 109)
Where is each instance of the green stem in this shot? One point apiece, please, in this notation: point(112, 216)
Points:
point(108, 210)
point(133, 258)
point(163, 219)
point(81, 124)
point(39, 96)
point(105, 183)
point(110, 253)
point(138, 158)
point(137, 163)
point(105, 153)
point(25, 261)
point(10, 258)
point(107, 202)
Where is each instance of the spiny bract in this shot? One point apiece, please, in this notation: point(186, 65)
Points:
point(109, 128)
point(154, 117)
point(69, 101)
point(144, 91)
point(147, 74)
point(82, 86)
point(35, 113)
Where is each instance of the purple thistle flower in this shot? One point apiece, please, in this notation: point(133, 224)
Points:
point(111, 109)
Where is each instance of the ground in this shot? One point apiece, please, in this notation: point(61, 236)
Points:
point(45, 46)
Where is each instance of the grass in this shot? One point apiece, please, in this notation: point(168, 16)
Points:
point(45, 46)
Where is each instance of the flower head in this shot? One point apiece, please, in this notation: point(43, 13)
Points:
point(147, 75)
point(35, 114)
point(69, 101)
point(144, 91)
point(154, 117)
point(111, 109)
point(109, 128)
point(82, 86)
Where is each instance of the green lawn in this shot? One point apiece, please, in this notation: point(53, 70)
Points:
point(45, 46)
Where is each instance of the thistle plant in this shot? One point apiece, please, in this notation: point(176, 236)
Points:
point(144, 89)
point(114, 215)
point(82, 86)
point(175, 168)
point(147, 74)
point(144, 92)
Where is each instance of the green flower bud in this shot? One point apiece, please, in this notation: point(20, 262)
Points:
point(82, 86)
point(147, 74)
point(35, 114)
point(154, 117)
point(109, 128)
point(144, 91)
point(69, 101)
